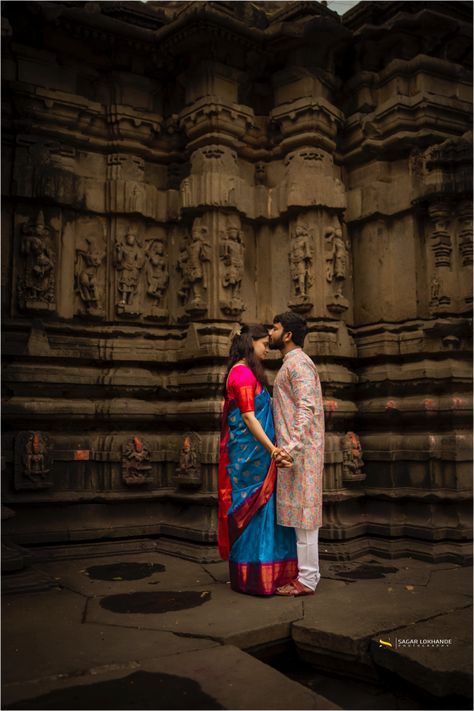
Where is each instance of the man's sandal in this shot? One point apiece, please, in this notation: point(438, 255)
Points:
point(294, 589)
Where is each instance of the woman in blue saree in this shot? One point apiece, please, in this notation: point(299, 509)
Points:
point(261, 554)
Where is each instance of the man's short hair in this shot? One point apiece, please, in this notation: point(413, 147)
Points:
point(295, 323)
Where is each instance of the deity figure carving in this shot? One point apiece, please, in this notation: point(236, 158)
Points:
point(188, 473)
point(336, 266)
point(157, 276)
point(301, 263)
point(352, 461)
point(32, 461)
point(191, 264)
point(89, 258)
point(36, 285)
point(136, 467)
point(232, 260)
point(129, 262)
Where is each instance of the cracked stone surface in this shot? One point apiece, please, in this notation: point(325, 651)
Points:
point(44, 634)
point(440, 669)
point(225, 675)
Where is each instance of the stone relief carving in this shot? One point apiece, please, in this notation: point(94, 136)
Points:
point(192, 264)
point(189, 472)
point(136, 467)
point(301, 267)
point(89, 257)
point(231, 252)
point(214, 178)
point(129, 262)
point(352, 462)
point(441, 242)
point(337, 258)
point(33, 461)
point(465, 233)
point(36, 283)
point(157, 277)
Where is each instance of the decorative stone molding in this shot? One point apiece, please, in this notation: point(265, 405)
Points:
point(136, 467)
point(441, 241)
point(33, 461)
point(310, 181)
point(465, 233)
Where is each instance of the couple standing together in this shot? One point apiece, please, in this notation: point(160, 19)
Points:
point(270, 495)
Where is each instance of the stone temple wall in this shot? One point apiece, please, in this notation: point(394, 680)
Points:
point(173, 168)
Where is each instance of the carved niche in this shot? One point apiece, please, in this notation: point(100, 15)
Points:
point(129, 262)
point(189, 471)
point(37, 280)
point(33, 461)
point(157, 277)
point(90, 254)
point(136, 467)
point(231, 253)
point(441, 242)
point(301, 267)
point(337, 262)
point(192, 263)
point(352, 462)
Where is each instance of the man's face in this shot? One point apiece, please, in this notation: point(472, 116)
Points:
point(278, 338)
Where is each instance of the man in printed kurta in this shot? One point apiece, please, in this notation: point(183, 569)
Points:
point(299, 427)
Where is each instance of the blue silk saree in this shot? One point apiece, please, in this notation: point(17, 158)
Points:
point(261, 554)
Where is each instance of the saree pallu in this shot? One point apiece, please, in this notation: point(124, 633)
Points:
point(262, 554)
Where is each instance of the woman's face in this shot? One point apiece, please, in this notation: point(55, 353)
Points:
point(260, 347)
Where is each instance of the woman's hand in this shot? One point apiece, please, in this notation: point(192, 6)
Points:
point(282, 458)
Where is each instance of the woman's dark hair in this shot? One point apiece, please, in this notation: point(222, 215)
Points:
point(242, 347)
point(294, 323)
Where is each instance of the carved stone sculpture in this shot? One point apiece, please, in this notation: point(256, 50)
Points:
point(192, 264)
point(301, 263)
point(336, 267)
point(157, 277)
point(89, 257)
point(441, 242)
point(32, 461)
point(352, 458)
point(36, 285)
point(232, 267)
point(136, 467)
point(129, 262)
point(188, 472)
point(465, 233)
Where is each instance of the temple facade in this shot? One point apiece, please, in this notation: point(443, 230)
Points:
point(171, 169)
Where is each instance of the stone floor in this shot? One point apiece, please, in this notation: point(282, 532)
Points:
point(143, 630)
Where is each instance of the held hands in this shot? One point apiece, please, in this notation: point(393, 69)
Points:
point(283, 459)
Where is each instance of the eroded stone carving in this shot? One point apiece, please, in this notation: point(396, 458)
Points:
point(32, 461)
point(465, 233)
point(231, 251)
point(136, 467)
point(336, 266)
point(189, 472)
point(129, 262)
point(352, 458)
point(301, 264)
point(89, 257)
point(192, 264)
point(157, 277)
point(441, 242)
point(36, 285)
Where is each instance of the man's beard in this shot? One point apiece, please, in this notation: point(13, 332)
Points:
point(276, 345)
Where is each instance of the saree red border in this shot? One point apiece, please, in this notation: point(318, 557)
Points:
point(261, 578)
